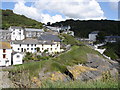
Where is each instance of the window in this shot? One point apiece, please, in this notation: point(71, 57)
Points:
point(4, 50)
point(20, 45)
point(51, 48)
point(27, 44)
point(57, 45)
point(19, 33)
point(18, 49)
point(13, 33)
point(4, 55)
point(35, 44)
point(31, 48)
point(27, 48)
point(42, 48)
point(35, 48)
point(51, 45)
point(42, 44)
point(31, 44)
point(18, 56)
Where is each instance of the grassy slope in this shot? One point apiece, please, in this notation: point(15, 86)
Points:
point(77, 55)
point(112, 50)
point(77, 84)
point(11, 19)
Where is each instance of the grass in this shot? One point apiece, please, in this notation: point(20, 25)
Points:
point(68, 39)
point(77, 55)
point(33, 68)
point(80, 84)
point(111, 50)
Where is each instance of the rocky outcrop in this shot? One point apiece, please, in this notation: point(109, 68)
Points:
point(78, 70)
point(5, 82)
point(96, 67)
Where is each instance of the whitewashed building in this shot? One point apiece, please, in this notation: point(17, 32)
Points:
point(17, 33)
point(17, 58)
point(93, 35)
point(26, 40)
point(51, 43)
point(5, 54)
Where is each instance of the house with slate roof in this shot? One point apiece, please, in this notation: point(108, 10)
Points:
point(92, 35)
point(5, 53)
point(112, 38)
point(26, 40)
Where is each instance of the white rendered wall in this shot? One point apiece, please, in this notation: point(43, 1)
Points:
point(8, 57)
point(17, 60)
point(15, 35)
point(55, 48)
point(92, 37)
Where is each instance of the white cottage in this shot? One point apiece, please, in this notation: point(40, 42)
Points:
point(51, 43)
point(92, 35)
point(5, 54)
point(17, 58)
point(17, 33)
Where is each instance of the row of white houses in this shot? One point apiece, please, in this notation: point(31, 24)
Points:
point(26, 40)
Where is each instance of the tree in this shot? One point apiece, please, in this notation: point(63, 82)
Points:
point(48, 23)
point(101, 36)
point(38, 49)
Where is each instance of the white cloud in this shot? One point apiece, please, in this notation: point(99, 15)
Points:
point(30, 12)
point(75, 9)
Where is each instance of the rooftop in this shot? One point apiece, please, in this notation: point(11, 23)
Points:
point(112, 36)
point(5, 31)
point(26, 41)
point(94, 32)
point(32, 41)
point(5, 45)
point(33, 29)
point(49, 37)
point(16, 27)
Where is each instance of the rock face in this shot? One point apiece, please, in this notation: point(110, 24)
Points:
point(95, 68)
point(102, 65)
point(78, 70)
point(5, 82)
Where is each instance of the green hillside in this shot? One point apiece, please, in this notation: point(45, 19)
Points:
point(11, 19)
point(83, 27)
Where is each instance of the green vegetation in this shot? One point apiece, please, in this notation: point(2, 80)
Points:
point(77, 55)
point(32, 68)
point(112, 50)
point(70, 40)
point(78, 84)
point(11, 19)
point(84, 27)
point(33, 56)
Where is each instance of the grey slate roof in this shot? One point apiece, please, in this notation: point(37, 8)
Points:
point(49, 37)
point(112, 36)
point(16, 27)
point(5, 31)
point(26, 41)
point(33, 29)
point(94, 32)
point(32, 41)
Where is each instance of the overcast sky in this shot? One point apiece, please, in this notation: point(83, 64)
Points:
point(54, 10)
